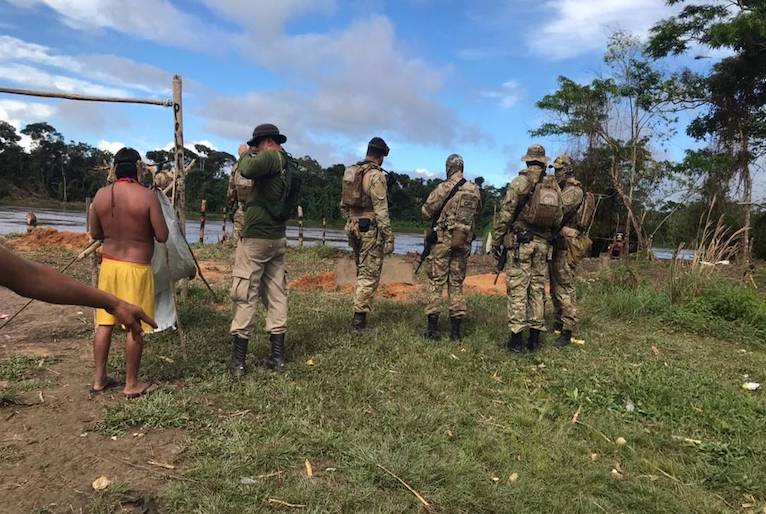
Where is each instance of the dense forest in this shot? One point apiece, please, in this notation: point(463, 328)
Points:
point(615, 126)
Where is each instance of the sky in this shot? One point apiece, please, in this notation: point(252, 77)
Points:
point(432, 77)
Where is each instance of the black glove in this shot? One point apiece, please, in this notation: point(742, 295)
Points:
point(496, 252)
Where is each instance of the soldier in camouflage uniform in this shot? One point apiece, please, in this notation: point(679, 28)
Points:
point(237, 196)
point(562, 271)
point(528, 250)
point(448, 259)
point(364, 205)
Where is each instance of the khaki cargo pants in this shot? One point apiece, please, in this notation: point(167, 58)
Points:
point(259, 273)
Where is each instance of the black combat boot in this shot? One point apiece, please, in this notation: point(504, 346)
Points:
point(359, 323)
point(533, 343)
point(456, 335)
point(276, 360)
point(432, 330)
point(558, 326)
point(238, 353)
point(564, 339)
point(515, 343)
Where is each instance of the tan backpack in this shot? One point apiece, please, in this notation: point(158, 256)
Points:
point(584, 216)
point(352, 193)
point(544, 208)
point(460, 214)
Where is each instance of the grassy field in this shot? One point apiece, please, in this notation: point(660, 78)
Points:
point(648, 415)
point(470, 427)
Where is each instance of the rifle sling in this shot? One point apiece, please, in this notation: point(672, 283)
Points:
point(452, 193)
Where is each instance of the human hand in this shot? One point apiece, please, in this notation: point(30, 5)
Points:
point(243, 149)
point(388, 248)
point(131, 317)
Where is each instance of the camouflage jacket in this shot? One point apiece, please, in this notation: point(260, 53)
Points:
point(376, 187)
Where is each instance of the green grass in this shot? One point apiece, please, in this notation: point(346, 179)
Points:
point(454, 421)
point(24, 367)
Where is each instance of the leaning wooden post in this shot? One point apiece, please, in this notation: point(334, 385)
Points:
point(179, 174)
point(94, 255)
point(202, 210)
point(300, 227)
point(324, 231)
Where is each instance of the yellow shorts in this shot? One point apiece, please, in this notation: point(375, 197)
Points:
point(130, 282)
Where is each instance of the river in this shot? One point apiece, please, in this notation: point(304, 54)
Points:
point(13, 220)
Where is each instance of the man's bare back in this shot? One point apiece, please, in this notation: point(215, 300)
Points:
point(130, 226)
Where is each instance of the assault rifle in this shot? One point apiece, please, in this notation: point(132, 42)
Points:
point(431, 237)
point(503, 257)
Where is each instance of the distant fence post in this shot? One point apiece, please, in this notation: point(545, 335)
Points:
point(202, 211)
point(223, 235)
point(324, 231)
point(300, 227)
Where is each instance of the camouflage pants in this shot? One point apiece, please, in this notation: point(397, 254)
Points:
point(239, 225)
point(368, 251)
point(563, 290)
point(525, 285)
point(447, 267)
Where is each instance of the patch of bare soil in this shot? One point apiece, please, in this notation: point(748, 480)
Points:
point(326, 282)
point(43, 237)
point(51, 455)
point(215, 272)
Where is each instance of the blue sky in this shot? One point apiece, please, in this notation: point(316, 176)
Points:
point(432, 77)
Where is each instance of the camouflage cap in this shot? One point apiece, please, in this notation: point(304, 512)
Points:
point(535, 153)
point(454, 164)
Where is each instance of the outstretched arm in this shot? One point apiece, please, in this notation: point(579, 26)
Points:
point(40, 282)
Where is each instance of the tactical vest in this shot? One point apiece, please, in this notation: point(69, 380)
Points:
point(243, 187)
point(544, 208)
point(353, 194)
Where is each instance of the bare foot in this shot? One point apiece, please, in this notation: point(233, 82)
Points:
point(140, 389)
point(98, 387)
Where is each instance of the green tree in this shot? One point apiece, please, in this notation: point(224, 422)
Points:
point(730, 98)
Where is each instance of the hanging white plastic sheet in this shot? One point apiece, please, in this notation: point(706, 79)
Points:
point(172, 261)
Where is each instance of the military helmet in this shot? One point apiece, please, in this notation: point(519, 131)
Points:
point(535, 153)
point(454, 164)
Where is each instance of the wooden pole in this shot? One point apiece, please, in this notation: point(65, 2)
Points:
point(223, 234)
point(324, 231)
point(94, 255)
point(179, 174)
point(202, 210)
point(300, 227)
point(85, 98)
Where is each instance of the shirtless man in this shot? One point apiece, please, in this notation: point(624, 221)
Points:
point(128, 218)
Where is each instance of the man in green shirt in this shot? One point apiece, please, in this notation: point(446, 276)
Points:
point(259, 263)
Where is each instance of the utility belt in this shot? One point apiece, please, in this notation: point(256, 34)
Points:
point(525, 236)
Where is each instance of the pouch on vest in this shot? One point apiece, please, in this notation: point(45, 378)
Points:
point(460, 216)
point(544, 209)
point(352, 193)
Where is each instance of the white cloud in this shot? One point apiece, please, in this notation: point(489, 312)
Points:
point(19, 113)
point(110, 146)
point(579, 26)
point(269, 18)
point(508, 95)
point(36, 77)
point(424, 173)
point(155, 20)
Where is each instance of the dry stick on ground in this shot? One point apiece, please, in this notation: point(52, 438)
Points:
point(275, 501)
point(595, 430)
point(410, 489)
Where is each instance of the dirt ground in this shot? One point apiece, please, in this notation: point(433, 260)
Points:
point(50, 453)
